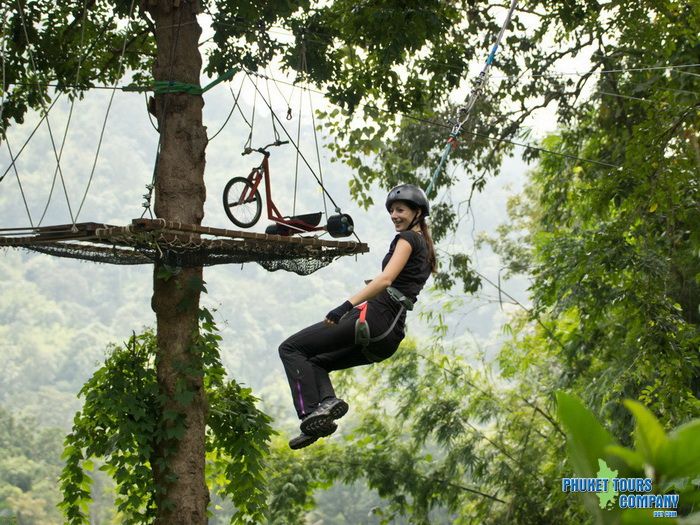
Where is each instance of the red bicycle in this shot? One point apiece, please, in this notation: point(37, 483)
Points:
point(243, 204)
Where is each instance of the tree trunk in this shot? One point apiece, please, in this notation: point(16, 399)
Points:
point(178, 465)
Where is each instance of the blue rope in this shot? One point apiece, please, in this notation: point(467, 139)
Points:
point(465, 111)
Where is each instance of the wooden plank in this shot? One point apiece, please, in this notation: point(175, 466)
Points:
point(174, 232)
point(151, 224)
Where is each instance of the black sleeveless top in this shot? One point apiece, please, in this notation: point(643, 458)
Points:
point(409, 282)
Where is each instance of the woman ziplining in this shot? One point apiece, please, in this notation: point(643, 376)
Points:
point(344, 339)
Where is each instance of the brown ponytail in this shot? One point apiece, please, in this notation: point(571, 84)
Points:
point(425, 230)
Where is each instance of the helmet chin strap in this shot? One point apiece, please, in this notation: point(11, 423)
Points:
point(414, 221)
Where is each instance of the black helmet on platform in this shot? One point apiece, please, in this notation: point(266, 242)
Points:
point(409, 193)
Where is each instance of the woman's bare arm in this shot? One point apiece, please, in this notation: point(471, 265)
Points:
point(398, 260)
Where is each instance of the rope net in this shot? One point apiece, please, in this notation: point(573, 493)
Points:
point(148, 241)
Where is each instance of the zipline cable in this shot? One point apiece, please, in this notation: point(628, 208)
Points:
point(254, 23)
point(674, 68)
point(130, 88)
point(476, 134)
point(464, 112)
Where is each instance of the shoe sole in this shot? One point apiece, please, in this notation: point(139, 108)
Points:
point(339, 409)
point(318, 426)
point(297, 443)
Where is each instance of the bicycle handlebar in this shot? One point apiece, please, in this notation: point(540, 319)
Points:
point(263, 150)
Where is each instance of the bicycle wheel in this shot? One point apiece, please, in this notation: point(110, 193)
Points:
point(242, 203)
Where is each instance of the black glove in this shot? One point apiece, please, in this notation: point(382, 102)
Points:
point(334, 315)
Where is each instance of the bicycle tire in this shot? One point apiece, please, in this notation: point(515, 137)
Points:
point(240, 213)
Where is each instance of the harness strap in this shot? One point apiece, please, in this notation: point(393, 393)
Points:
point(363, 336)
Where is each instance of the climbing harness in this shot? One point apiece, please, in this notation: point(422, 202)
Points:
point(363, 335)
point(464, 112)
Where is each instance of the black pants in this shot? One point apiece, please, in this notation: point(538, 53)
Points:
point(310, 354)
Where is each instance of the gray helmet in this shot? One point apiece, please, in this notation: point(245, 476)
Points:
point(409, 193)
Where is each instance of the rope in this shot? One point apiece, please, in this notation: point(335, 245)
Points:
point(296, 162)
point(286, 99)
point(240, 110)
point(4, 85)
point(21, 189)
point(163, 87)
point(318, 153)
point(46, 112)
point(476, 134)
point(465, 112)
point(235, 104)
point(36, 128)
point(2, 105)
point(274, 128)
point(48, 124)
point(168, 87)
point(150, 117)
point(249, 142)
point(275, 117)
point(70, 114)
point(109, 107)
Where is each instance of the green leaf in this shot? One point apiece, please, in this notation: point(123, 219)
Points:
point(586, 438)
point(679, 455)
point(632, 458)
point(649, 434)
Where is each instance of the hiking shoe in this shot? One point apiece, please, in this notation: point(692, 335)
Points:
point(301, 441)
point(319, 424)
point(304, 440)
point(335, 407)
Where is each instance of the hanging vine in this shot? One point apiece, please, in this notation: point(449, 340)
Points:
point(123, 424)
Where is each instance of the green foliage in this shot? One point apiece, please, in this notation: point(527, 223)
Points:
point(614, 254)
point(29, 467)
point(237, 447)
point(123, 423)
point(48, 41)
point(440, 442)
point(671, 460)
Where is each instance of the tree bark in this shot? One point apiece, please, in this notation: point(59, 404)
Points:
point(179, 460)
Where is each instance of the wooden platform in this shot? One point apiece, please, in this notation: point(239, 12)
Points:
point(146, 241)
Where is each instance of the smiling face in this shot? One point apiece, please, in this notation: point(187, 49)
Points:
point(402, 215)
